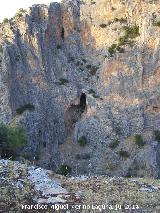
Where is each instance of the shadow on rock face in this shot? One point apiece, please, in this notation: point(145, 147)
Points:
point(82, 104)
point(74, 112)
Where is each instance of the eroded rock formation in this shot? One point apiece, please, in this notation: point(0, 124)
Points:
point(108, 50)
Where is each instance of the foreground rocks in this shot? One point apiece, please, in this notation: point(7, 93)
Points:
point(28, 185)
point(23, 188)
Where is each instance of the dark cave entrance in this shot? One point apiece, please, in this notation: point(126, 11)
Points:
point(62, 33)
point(74, 112)
point(83, 102)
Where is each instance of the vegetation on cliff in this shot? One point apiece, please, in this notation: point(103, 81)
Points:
point(157, 135)
point(12, 140)
point(130, 33)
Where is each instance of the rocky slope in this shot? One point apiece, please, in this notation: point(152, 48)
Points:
point(31, 189)
point(85, 68)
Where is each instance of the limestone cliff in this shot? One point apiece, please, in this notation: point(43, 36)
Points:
point(85, 69)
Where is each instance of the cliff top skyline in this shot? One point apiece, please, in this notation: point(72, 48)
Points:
point(8, 8)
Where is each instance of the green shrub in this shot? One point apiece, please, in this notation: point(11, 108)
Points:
point(117, 130)
point(25, 107)
point(91, 91)
point(131, 32)
point(5, 20)
point(78, 30)
point(113, 8)
point(103, 25)
point(139, 140)
point(22, 10)
point(157, 135)
point(64, 170)
point(93, 70)
point(114, 144)
point(157, 24)
point(59, 47)
point(63, 81)
point(93, 2)
point(120, 49)
point(112, 49)
point(124, 154)
point(111, 166)
point(122, 41)
point(19, 14)
point(117, 47)
point(84, 60)
point(113, 46)
point(12, 141)
point(122, 20)
point(88, 66)
point(82, 141)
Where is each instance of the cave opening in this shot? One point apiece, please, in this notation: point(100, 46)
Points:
point(74, 113)
point(62, 33)
point(83, 102)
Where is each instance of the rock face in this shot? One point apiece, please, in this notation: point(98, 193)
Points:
point(85, 68)
point(23, 185)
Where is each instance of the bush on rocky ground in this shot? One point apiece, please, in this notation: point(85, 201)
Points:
point(157, 135)
point(117, 130)
point(64, 170)
point(12, 141)
point(157, 24)
point(63, 81)
point(114, 144)
point(131, 31)
point(124, 154)
point(5, 20)
point(82, 141)
point(103, 25)
point(139, 140)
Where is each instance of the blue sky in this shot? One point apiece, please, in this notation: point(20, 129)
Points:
point(9, 7)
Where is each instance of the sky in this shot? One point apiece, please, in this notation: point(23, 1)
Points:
point(9, 7)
